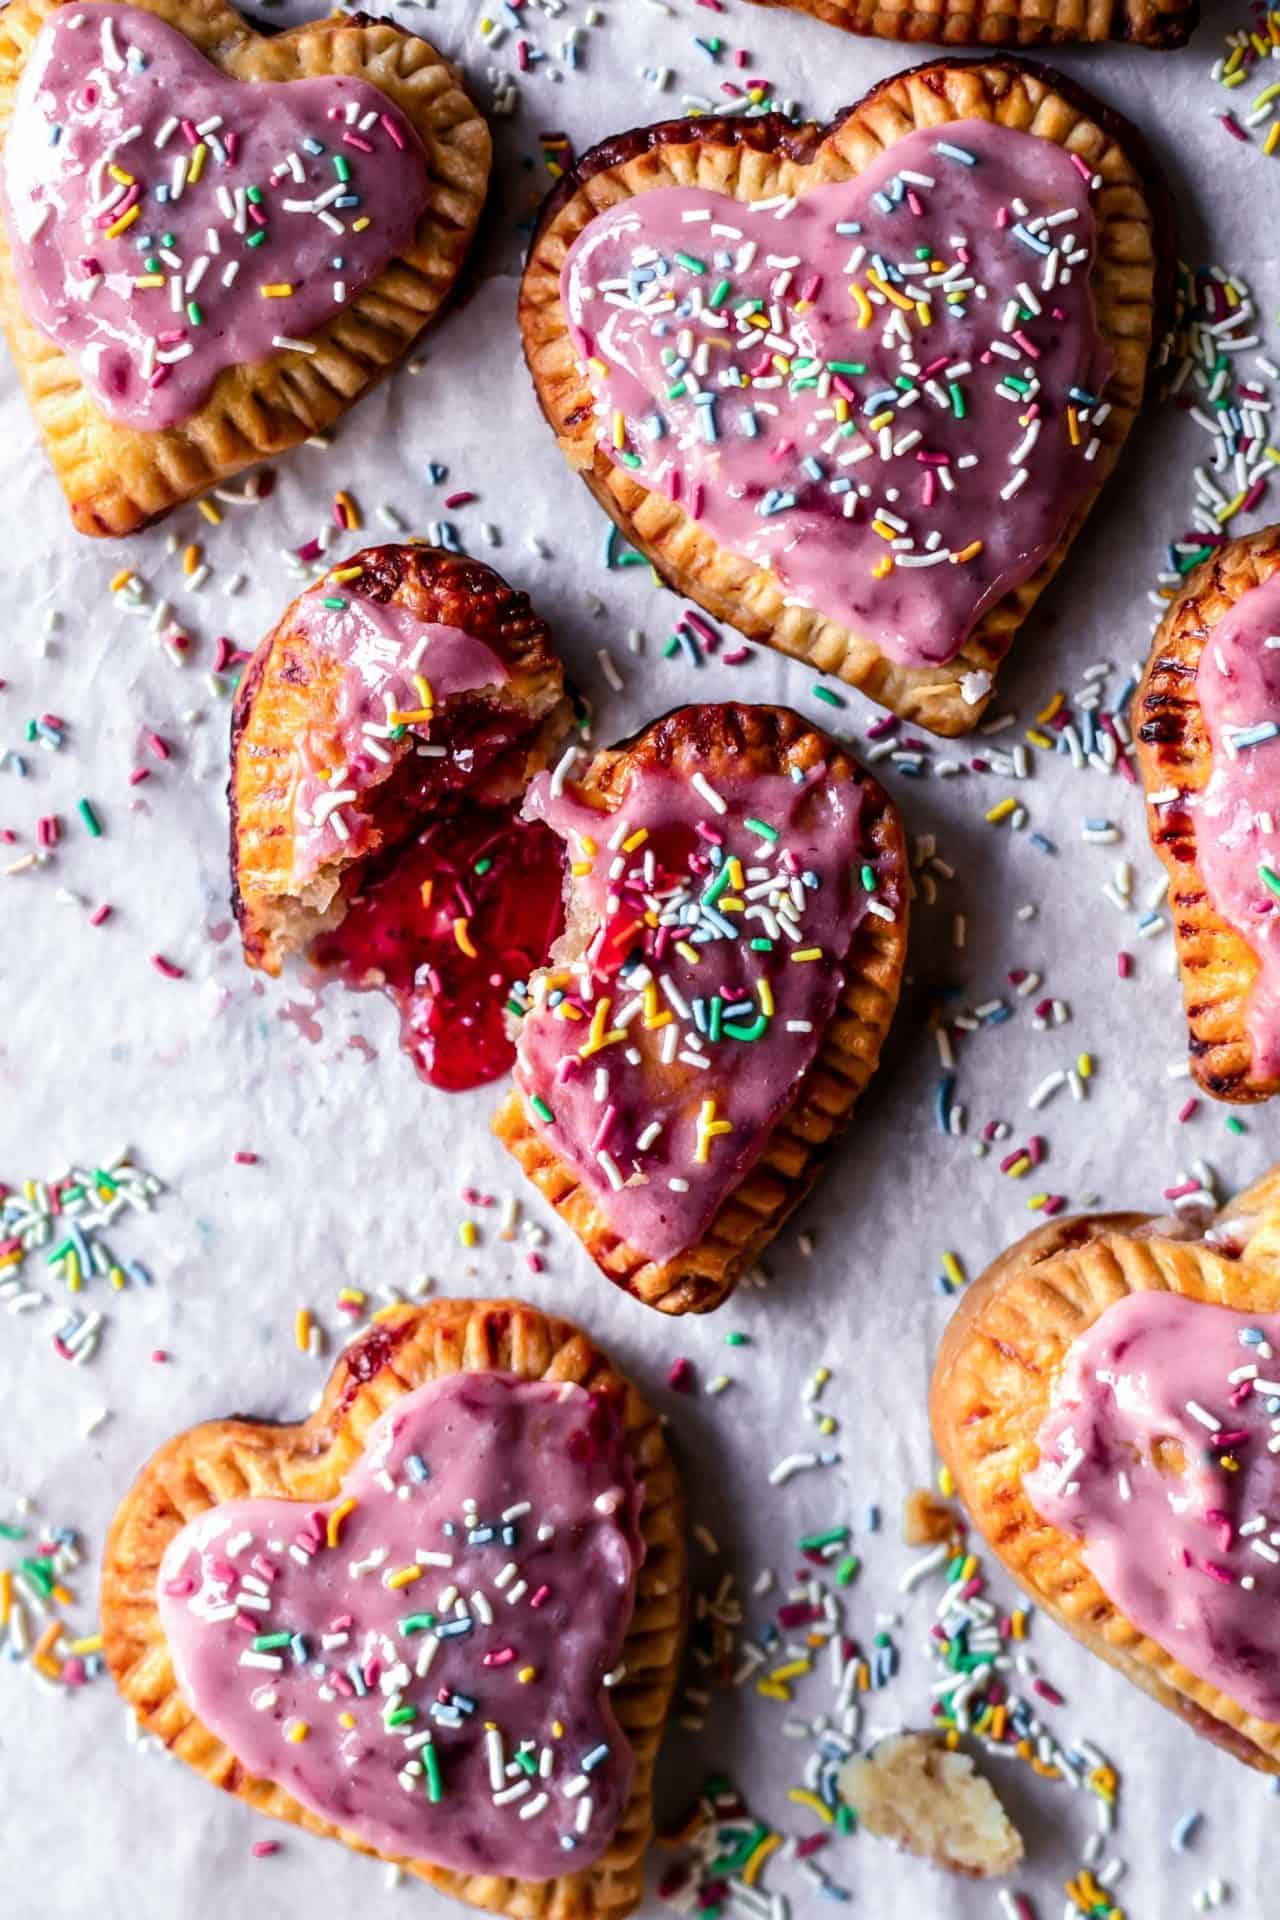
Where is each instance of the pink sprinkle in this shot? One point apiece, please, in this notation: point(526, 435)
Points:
point(246, 1159)
point(73, 1673)
point(247, 1623)
point(158, 745)
point(138, 775)
point(189, 128)
point(159, 1356)
point(501, 1657)
point(540, 1595)
point(736, 658)
point(392, 129)
point(1031, 351)
point(1180, 1192)
point(350, 139)
point(462, 499)
point(534, 1262)
point(1124, 965)
point(179, 1589)
point(99, 915)
point(681, 1375)
point(167, 967)
point(522, 55)
point(1215, 1572)
point(1047, 1692)
point(1232, 126)
point(814, 1844)
point(1082, 167)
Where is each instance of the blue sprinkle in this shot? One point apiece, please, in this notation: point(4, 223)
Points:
point(417, 1468)
point(961, 154)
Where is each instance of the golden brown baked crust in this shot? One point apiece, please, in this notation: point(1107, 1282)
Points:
point(728, 742)
point(231, 1459)
point(749, 160)
point(1217, 964)
point(1009, 23)
point(118, 478)
point(992, 1385)
point(289, 689)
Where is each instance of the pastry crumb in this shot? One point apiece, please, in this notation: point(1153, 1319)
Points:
point(929, 1800)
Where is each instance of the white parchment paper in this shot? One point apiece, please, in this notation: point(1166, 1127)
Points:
point(360, 1168)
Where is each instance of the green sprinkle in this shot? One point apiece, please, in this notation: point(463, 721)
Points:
point(678, 391)
point(957, 400)
point(335, 601)
point(832, 698)
point(90, 818)
point(761, 827)
point(194, 314)
point(814, 1542)
point(8, 1531)
point(761, 945)
point(526, 1760)
point(39, 1573)
point(690, 263)
point(1235, 1125)
point(431, 1761)
point(846, 1819)
point(255, 194)
point(542, 1110)
point(630, 459)
point(266, 1642)
point(848, 1570)
point(847, 366)
point(401, 1717)
point(151, 264)
point(720, 295)
point(755, 1030)
point(737, 1339)
point(417, 1622)
point(715, 1019)
point(482, 866)
point(1270, 879)
point(868, 877)
point(257, 237)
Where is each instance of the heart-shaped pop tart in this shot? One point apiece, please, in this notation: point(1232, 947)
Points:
point(855, 388)
point(440, 1620)
point(1206, 718)
point(1010, 23)
point(382, 735)
point(1107, 1398)
point(737, 925)
point(213, 241)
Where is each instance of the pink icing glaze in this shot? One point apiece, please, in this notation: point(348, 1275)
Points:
point(1238, 813)
point(113, 86)
point(1189, 1555)
point(381, 648)
point(516, 1501)
point(760, 458)
point(624, 1083)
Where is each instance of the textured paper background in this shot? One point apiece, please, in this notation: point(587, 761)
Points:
point(361, 1168)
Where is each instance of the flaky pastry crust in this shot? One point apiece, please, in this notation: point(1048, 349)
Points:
point(289, 687)
point(1010, 23)
point(1217, 964)
point(992, 1385)
point(232, 1459)
point(753, 159)
point(118, 478)
point(727, 742)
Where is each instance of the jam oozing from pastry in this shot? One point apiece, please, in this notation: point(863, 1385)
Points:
point(392, 671)
point(167, 222)
point(720, 918)
point(1237, 816)
point(887, 390)
point(450, 927)
point(425, 1659)
point(1156, 1455)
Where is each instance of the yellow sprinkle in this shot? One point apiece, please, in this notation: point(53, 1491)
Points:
point(1084, 1065)
point(882, 419)
point(354, 1296)
point(211, 513)
point(946, 1485)
point(302, 1329)
point(598, 367)
point(1001, 811)
point(1073, 426)
point(1037, 738)
point(865, 311)
point(425, 695)
point(1272, 140)
point(765, 992)
point(298, 1732)
point(883, 568)
point(791, 1670)
point(802, 1797)
point(121, 579)
point(426, 892)
point(772, 1691)
point(841, 409)
point(47, 1641)
point(333, 1527)
point(709, 1127)
point(737, 879)
point(415, 717)
point(881, 285)
point(125, 220)
point(526, 1674)
point(195, 166)
point(50, 1668)
point(467, 1233)
point(63, 1596)
point(751, 1872)
point(341, 575)
point(557, 1729)
point(688, 953)
point(462, 935)
point(350, 510)
point(346, 1719)
point(126, 179)
point(619, 430)
point(807, 953)
point(953, 1270)
point(998, 1719)
point(6, 1596)
point(90, 1643)
point(191, 558)
point(637, 839)
point(149, 280)
point(579, 867)
point(924, 313)
point(358, 226)
point(1053, 707)
point(1036, 1200)
point(883, 528)
point(970, 552)
point(1020, 1166)
point(403, 1577)
point(276, 290)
